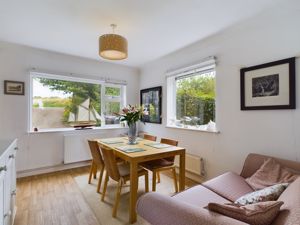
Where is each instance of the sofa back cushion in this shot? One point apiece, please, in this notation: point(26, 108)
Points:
point(270, 173)
point(290, 211)
point(254, 161)
point(228, 185)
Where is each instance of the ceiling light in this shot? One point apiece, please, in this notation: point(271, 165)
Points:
point(113, 46)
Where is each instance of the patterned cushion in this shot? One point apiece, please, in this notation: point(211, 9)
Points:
point(262, 213)
point(270, 173)
point(267, 194)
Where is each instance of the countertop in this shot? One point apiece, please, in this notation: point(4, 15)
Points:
point(4, 144)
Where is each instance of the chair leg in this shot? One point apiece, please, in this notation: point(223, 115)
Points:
point(91, 172)
point(154, 180)
point(117, 200)
point(95, 171)
point(158, 177)
point(175, 180)
point(105, 186)
point(146, 182)
point(100, 179)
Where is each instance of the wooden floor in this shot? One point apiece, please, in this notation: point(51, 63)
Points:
point(54, 199)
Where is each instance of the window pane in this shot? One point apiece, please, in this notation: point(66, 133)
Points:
point(195, 99)
point(111, 108)
point(112, 91)
point(61, 103)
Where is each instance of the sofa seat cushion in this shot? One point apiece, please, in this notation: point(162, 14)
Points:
point(199, 196)
point(290, 211)
point(229, 185)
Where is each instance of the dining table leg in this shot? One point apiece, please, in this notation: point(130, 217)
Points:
point(182, 171)
point(133, 191)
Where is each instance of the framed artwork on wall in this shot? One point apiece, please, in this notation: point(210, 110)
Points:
point(151, 102)
point(14, 87)
point(269, 86)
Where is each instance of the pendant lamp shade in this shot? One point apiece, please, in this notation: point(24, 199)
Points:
point(113, 46)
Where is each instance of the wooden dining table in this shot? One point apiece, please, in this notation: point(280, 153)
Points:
point(147, 153)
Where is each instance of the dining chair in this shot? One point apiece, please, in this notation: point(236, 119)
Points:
point(97, 163)
point(119, 173)
point(155, 166)
point(150, 137)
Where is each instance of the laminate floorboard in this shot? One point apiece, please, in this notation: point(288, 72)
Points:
point(55, 199)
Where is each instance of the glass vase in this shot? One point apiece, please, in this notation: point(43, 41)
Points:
point(132, 134)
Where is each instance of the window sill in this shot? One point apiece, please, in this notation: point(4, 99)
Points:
point(201, 129)
point(69, 130)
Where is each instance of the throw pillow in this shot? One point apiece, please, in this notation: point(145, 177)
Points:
point(267, 194)
point(262, 213)
point(270, 173)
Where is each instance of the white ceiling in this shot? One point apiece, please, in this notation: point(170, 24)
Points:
point(153, 28)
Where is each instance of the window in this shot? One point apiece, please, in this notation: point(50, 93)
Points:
point(113, 103)
point(191, 96)
point(65, 102)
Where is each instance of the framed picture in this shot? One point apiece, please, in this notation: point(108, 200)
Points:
point(269, 86)
point(14, 87)
point(151, 102)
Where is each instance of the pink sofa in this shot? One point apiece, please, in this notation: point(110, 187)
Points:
point(187, 207)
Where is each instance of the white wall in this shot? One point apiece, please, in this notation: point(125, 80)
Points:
point(271, 35)
point(46, 149)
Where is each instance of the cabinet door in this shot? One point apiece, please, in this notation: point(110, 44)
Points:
point(13, 187)
point(7, 192)
point(2, 196)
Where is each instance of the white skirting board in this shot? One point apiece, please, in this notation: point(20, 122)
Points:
point(50, 169)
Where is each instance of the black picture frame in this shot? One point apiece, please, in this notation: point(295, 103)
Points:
point(152, 97)
point(14, 87)
point(269, 86)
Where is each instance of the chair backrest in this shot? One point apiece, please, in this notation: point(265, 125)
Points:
point(110, 163)
point(150, 137)
point(169, 142)
point(96, 154)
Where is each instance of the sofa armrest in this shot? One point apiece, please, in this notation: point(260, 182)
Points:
point(159, 209)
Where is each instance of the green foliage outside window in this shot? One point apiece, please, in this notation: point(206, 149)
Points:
point(80, 92)
point(195, 99)
point(112, 91)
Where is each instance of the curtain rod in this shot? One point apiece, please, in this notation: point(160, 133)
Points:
point(76, 75)
point(200, 63)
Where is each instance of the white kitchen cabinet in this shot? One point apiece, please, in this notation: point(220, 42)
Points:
point(2, 175)
point(7, 181)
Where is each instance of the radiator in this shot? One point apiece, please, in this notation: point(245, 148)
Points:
point(76, 148)
point(193, 164)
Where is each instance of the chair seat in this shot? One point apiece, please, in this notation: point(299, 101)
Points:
point(124, 169)
point(158, 163)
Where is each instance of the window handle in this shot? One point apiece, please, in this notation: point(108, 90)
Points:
point(14, 192)
point(16, 148)
point(3, 168)
point(7, 214)
point(12, 156)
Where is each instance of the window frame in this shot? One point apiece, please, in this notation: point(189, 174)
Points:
point(122, 98)
point(206, 66)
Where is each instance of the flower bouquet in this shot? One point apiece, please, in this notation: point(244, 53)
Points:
point(131, 114)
